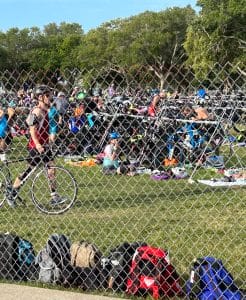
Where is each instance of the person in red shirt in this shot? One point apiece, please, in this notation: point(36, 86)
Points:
point(38, 122)
point(153, 109)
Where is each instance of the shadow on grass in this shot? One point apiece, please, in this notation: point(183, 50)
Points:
point(126, 200)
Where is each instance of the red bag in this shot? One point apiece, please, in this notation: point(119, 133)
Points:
point(151, 273)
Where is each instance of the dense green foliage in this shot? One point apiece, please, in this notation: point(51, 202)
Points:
point(34, 49)
point(155, 40)
point(217, 35)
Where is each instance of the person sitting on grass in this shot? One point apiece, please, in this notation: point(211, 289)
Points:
point(111, 154)
point(111, 161)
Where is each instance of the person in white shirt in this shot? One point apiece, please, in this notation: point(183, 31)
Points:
point(111, 152)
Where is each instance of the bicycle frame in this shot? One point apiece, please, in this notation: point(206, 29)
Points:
point(8, 176)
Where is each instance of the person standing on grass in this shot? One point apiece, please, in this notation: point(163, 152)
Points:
point(5, 119)
point(38, 122)
point(62, 105)
point(53, 122)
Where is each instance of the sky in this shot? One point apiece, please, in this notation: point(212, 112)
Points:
point(88, 13)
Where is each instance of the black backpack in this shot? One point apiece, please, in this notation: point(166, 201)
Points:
point(85, 268)
point(116, 265)
point(85, 278)
point(17, 258)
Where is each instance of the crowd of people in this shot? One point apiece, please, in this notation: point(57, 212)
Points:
point(137, 125)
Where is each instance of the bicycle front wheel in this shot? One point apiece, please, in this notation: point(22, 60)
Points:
point(65, 187)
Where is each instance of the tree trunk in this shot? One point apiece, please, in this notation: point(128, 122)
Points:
point(162, 81)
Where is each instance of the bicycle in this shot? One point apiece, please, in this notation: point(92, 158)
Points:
point(65, 183)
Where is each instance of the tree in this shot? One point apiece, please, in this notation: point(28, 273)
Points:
point(48, 49)
point(57, 46)
point(64, 29)
point(17, 44)
point(217, 37)
point(149, 39)
point(3, 57)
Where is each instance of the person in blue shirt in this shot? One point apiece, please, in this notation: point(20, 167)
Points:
point(78, 120)
point(53, 122)
point(5, 117)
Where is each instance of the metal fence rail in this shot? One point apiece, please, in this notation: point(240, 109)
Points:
point(177, 180)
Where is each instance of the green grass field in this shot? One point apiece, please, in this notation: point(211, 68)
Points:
point(189, 220)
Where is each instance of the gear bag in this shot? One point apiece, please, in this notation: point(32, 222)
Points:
point(116, 266)
point(53, 259)
point(209, 280)
point(16, 258)
point(84, 254)
point(152, 274)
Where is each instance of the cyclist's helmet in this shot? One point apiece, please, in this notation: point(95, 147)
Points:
point(41, 90)
point(114, 135)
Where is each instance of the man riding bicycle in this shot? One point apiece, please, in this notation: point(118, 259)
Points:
point(38, 143)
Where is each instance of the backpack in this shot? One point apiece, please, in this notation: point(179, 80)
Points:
point(161, 176)
point(116, 266)
point(53, 258)
point(26, 260)
point(84, 278)
point(209, 280)
point(16, 257)
point(151, 273)
point(84, 254)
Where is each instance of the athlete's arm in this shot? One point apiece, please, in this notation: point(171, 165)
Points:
point(32, 121)
point(10, 112)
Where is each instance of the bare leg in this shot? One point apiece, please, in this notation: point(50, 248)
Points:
point(18, 181)
point(51, 177)
point(3, 145)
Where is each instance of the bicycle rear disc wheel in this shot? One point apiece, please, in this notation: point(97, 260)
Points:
point(66, 189)
point(3, 187)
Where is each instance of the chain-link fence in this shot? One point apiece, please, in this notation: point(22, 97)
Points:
point(119, 157)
